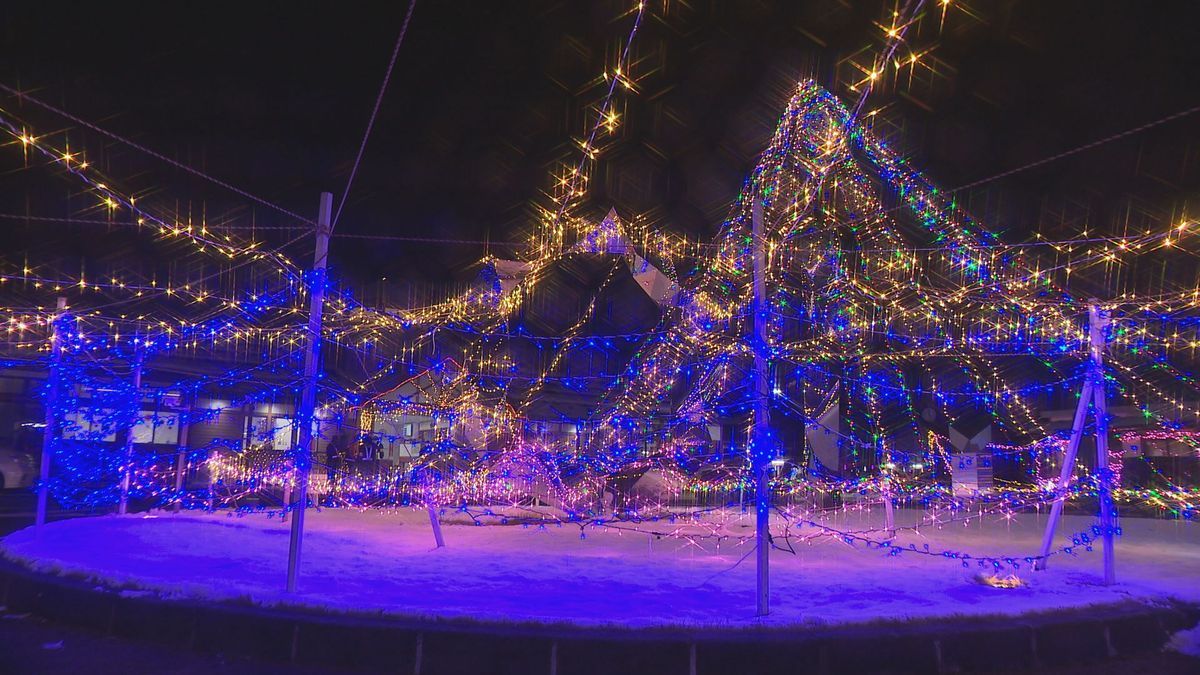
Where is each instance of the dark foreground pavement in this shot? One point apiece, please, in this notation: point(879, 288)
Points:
point(31, 646)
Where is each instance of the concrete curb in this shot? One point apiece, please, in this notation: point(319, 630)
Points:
point(1074, 637)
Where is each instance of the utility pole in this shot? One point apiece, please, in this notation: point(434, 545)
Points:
point(127, 477)
point(760, 436)
point(50, 430)
point(1093, 392)
point(302, 456)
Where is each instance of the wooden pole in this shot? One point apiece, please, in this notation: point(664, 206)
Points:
point(287, 491)
point(216, 455)
point(436, 525)
point(292, 441)
point(127, 475)
point(889, 509)
point(1064, 478)
point(181, 458)
point(760, 437)
point(50, 430)
point(1099, 320)
point(1104, 489)
point(1093, 392)
point(308, 396)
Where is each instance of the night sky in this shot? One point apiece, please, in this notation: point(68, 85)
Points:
point(487, 96)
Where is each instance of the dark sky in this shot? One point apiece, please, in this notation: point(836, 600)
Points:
point(487, 95)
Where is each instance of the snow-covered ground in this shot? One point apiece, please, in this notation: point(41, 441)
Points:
point(374, 562)
point(1186, 642)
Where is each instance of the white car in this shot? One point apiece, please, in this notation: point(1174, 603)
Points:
point(17, 469)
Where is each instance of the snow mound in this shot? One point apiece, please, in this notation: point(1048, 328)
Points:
point(1185, 642)
point(385, 563)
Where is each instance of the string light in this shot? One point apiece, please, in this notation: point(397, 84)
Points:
point(883, 295)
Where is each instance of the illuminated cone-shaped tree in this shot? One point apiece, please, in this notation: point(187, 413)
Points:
point(883, 302)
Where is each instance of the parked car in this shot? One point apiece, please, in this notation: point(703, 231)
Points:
point(17, 468)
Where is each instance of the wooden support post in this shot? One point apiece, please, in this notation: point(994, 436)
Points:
point(212, 502)
point(287, 494)
point(127, 475)
point(1064, 478)
point(1099, 320)
point(50, 430)
point(889, 509)
point(1094, 393)
point(308, 396)
point(761, 447)
point(1104, 489)
point(181, 462)
point(287, 481)
point(436, 525)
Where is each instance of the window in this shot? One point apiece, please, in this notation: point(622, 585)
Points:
point(161, 428)
point(274, 430)
point(80, 425)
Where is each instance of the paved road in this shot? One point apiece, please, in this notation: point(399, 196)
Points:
point(31, 646)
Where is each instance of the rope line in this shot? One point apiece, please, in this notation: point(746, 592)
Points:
point(1086, 146)
point(387, 76)
point(157, 155)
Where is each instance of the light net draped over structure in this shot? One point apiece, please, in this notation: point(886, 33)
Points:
point(606, 375)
